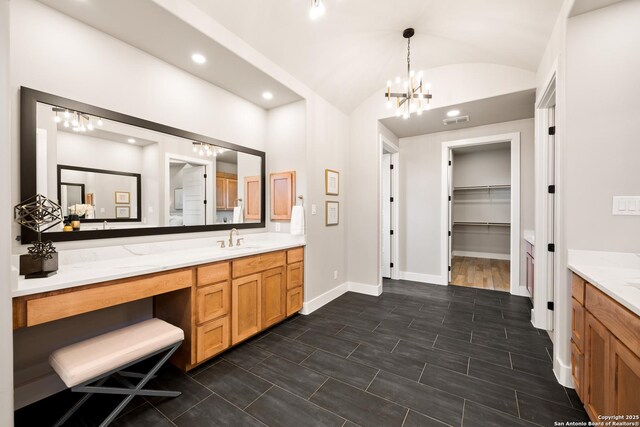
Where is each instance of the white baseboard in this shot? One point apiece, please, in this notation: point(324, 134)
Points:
point(363, 288)
point(563, 373)
point(424, 278)
point(310, 306)
point(487, 255)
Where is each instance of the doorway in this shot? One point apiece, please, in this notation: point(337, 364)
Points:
point(481, 213)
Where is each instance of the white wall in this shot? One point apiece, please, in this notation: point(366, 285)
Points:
point(420, 193)
point(451, 85)
point(287, 142)
point(6, 355)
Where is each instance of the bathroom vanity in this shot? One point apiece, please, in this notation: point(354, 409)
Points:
point(219, 297)
point(605, 332)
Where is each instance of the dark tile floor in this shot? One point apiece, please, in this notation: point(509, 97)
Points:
point(418, 355)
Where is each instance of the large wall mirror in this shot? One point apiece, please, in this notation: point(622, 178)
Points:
point(125, 176)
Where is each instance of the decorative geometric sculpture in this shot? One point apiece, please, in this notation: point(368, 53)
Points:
point(39, 214)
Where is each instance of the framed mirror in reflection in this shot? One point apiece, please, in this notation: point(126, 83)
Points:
point(124, 176)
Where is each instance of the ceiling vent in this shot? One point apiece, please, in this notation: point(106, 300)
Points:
point(454, 120)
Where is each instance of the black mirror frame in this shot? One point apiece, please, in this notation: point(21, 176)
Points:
point(29, 99)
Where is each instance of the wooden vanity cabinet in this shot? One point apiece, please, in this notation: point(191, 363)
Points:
point(246, 306)
point(226, 191)
point(605, 352)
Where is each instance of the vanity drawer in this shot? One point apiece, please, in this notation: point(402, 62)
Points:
point(212, 301)
point(622, 323)
point(73, 302)
point(294, 301)
point(258, 263)
point(212, 338)
point(213, 273)
point(295, 255)
point(295, 275)
point(577, 288)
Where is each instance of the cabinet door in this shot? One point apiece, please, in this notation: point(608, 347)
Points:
point(625, 380)
point(252, 190)
point(245, 307)
point(577, 369)
point(577, 323)
point(232, 193)
point(221, 193)
point(212, 302)
point(294, 301)
point(212, 338)
point(274, 290)
point(295, 275)
point(597, 348)
point(283, 190)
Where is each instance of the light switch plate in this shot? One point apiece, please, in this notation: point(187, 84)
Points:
point(626, 205)
point(314, 209)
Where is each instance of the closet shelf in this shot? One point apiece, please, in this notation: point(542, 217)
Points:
point(483, 187)
point(491, 224)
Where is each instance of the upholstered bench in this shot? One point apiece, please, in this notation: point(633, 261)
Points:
point(86, 366)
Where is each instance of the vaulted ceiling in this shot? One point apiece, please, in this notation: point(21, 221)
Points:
point(351, 51)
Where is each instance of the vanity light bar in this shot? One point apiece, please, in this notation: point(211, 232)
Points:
point(206, 149)
point(79, 122)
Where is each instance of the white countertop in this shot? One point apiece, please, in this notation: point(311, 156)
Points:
point(79, 267)
point(614, 273)
point(530, 236)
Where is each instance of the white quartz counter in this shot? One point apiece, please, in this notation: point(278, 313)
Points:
point(616, 274)
point(79, 267)
point(530, 236)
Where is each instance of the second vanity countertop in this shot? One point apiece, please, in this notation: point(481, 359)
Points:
point(78, 267)
point(616, 274)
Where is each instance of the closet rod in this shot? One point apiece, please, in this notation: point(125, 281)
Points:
point(496, 224)
point(483, 187)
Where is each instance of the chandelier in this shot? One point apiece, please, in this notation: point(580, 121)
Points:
point(413, 95)
point(206, 149)
point(77, 121)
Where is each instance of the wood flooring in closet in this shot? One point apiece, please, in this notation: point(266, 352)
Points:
point(480, 273)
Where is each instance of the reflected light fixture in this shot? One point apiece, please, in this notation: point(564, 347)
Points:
point(410, 95)
point(453, 113)
point(317, 9)
point(131, 141)
point(198, 58)
point(267, 95)
point(206, 149)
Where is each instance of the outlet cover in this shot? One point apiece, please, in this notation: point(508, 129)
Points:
point(335, 274)
point(277, 226)
point(626, 205)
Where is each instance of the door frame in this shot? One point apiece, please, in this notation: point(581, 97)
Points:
point(516, 238)
point(209, 189)
point(545, 277)
point(386, 144)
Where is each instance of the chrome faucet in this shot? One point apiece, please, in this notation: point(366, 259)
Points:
point(231, 236)
point(105, 225)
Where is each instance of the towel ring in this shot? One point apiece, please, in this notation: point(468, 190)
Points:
point(301, 200)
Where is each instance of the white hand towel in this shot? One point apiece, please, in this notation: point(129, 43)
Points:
point(237, 215)
point(297, 221)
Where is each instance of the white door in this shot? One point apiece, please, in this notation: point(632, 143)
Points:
point(450, 210)
point(193, 195)
point(386, 215)
point(551, 179)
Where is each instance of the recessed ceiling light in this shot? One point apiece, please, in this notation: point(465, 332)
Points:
point(317, 9)
point(198, 58)
point(267, 95)
point(453, 113)
point(131, 141)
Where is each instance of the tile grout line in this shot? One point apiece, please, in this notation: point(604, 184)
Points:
point(464, 405)
point(404, 420)
point(312, 394)
point(347, 357)
point(372, 379)
point(394, 347)
point(422, 373)
point(254, 400)
point(311, 354)
point(510, 360)
point(517, 404)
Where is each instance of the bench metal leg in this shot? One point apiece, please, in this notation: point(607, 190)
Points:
point(131, 391)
